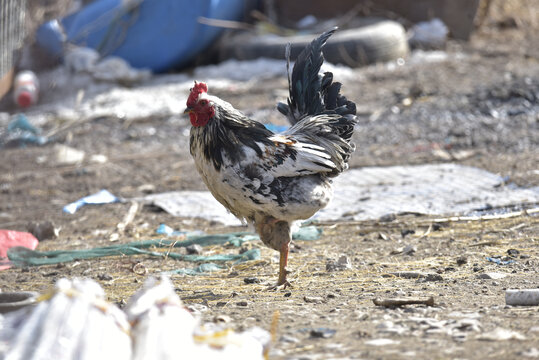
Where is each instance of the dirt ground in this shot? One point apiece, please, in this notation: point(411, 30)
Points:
point(479, 107)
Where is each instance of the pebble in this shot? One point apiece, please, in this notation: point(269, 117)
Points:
point(43, 230)
point(242, 303)
point(313, 299)
point(382, 342)
point(223, 319)
point(104, 277)
point(324, 333)
point(251, 280)
point(461, 260)
point(500, 334)
point(289, 339)
point(194, 249)
point(491, 276)
point(343, 263)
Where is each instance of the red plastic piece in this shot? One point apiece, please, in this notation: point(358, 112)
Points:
point(12, 238)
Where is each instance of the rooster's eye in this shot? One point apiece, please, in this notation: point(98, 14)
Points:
point(203, 102)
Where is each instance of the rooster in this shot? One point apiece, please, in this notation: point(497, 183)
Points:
point(267, 179)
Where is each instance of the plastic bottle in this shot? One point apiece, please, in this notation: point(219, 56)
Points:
point(26, 88)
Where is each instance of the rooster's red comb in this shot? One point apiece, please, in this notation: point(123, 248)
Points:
point(198, 89)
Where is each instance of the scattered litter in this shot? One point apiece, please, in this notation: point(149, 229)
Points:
point(129, 217)
point(11, 301)
point(66, 155)
point(43, 230)
point(524, 297)
point(21, 133)
point(457, 189)
point(76, 318)
point(324, 333)
point(12, 238)
point(500, 334)
point(492, 276)
point(499, 261)
point(415, 275)
point(111, 68)
point(199, 270)
point(429, 34)
point(396, 302)
point(192, 204)
point(101, 197)
point(343, 263)
point(164, 229)
point(25, 257)
point(306, 233)
point(382, 342)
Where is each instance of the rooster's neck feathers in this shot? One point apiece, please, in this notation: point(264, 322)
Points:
point(226, 133)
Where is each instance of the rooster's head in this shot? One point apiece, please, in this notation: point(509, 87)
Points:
point(199, 105)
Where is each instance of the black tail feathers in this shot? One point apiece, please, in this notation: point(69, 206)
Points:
point(311, 93)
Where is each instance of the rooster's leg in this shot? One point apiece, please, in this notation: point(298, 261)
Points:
point(282, 265)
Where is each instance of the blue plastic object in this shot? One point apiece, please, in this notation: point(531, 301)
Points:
point(154, 34)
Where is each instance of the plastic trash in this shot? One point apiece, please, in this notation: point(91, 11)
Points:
point(25, 89)
point(499, 261)
point(154, 34)
point(101, 197)
point(75, 318)
point(429, 34)
point(12, 238)
point(74, 321)
point(21, 133)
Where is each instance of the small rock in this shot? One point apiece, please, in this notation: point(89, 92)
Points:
point(289, 339)
point(43, 230)
point(409, 250)
point(222, 319)
point(387, 218)
point(382, 342)
point(437, 227)
point(513, 252)
point(407, 232)
point(491, 276)
point(313, 299)
point(251, 280)
point(461, 260)
point(146, 188)
point(434, 277)
point(287, 294)
point(104, 277)
point(500, 334)
point(531, 353)
point(324, 333)
point(242, 303)
point(343, 263)
point(194, 249)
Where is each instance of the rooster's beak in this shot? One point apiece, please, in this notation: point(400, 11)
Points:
point(188, 110)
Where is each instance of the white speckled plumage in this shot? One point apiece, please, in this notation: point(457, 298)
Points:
point(272, 179)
